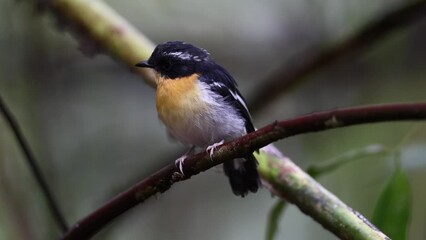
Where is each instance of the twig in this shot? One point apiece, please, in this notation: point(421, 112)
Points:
point(295, 73)
point(35, 169)
point(316, 170)
point(163, 179)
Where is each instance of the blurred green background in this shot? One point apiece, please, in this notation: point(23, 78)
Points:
point(93, 126)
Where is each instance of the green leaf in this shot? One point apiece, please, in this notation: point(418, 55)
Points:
point(392, 211)
point(274, 217)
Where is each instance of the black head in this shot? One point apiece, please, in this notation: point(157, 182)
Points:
point(177, 59)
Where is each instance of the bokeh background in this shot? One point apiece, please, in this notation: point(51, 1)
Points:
point(93, 126)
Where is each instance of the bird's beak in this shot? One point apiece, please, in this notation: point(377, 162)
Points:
point(144, 64)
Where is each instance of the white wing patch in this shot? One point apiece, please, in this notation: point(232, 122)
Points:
point(239, 99)
point(235, 95)
point(217, 84)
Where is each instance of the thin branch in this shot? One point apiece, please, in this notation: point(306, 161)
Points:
point(162, 180)
point(297, 72)
point(35, 169)
point(316, 170)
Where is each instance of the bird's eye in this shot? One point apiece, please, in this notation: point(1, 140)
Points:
point(166, 65)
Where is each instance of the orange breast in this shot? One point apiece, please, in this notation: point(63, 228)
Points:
point(177, 99)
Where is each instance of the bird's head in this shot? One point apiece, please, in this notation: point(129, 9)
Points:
point(177, 59)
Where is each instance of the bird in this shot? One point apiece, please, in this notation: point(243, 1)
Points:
point(200, 105)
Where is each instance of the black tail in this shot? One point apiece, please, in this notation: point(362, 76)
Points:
point(242, 174)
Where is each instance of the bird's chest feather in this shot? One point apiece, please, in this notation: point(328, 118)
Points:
point(180, 106)
point(195, 115)
point(178, 99)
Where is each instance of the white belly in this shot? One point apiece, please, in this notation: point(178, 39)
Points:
point(205, 129)
point(202, 119)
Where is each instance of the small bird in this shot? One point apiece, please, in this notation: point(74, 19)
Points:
point(200, 105)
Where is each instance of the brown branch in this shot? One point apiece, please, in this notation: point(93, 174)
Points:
point(35, 169)
point(163, 179)
point(297, 72)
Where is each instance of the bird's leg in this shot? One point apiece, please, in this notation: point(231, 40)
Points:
point(179, 161)
point(210, 149)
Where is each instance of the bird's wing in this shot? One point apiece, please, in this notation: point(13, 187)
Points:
point(222, 83)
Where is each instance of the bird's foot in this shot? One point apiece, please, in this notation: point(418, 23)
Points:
point(179, 163)
point(210, 149)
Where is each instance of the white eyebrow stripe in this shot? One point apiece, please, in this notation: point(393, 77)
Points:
point(181, 55)
point(187, 56)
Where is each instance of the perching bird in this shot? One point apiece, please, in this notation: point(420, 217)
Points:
point(199, 103)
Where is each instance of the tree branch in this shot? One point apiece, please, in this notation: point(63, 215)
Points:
point(35, 169)
point(99, 29)
point(296, 73)
point(286, 183)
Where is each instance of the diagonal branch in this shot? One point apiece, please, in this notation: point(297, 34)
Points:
point(100, 29)
point(295, 73)
point(35, 169)
point(292, 184)
point(288, 181)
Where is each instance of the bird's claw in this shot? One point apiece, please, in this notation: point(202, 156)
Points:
point(210, 149)
point(179, 163)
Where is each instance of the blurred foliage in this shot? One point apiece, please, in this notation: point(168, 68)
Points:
point(392, 211)
point(275, 214)
point(94, 128)
point(326, 167)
